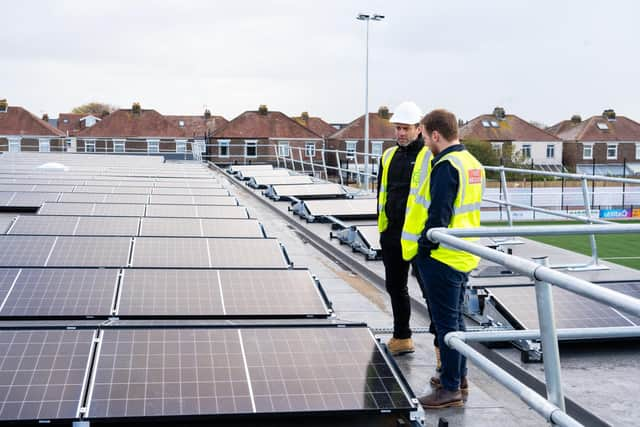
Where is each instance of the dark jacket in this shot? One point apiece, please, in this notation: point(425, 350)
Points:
point(443, 189)
point(398, 183)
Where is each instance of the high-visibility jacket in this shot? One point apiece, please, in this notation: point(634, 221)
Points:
point(466, 212)
point(387, 156)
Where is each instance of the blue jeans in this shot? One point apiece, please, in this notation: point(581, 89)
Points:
point(443, 287)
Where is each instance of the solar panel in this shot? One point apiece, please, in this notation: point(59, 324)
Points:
point(119, 190)
point(32, 199)
point(571, 310)
point(190, 200)
point(196, 211)
point(52, 188)
point(252, 293)
point(90, 252)
point(118, 209)
point(265, 181)
point(43, 373)
point(5, 223)
point(18, 251)
point(266, 172)
point(200, 227)
point(66, 209)
point(199, 252)
point(370, 235)
point(103, 198)
point(45, 225)
point(107, 226)
point(237, 168)
point(60, 292)
point(308, 190)
point(347, 208)
point(216, 371)
point(172, 191)
point(7, 277)
point(97, 209)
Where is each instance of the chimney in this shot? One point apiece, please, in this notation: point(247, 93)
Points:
point(383, 112)
point(262, 109)
point(207, 114)
point(4, 105)
point(305, 117)
point(499, 113)
point(576, 119)
point(609, 114)
point(135, 109)
point(460, 123)
point(45, 117)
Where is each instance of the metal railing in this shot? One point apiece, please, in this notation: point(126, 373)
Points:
point(553, 407)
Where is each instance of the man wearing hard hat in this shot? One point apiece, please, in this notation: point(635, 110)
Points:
point(395, 189)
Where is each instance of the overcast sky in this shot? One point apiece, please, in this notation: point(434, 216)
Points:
point(543, 60)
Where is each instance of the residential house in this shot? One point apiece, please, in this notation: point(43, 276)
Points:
point(256, 137)
point(510, 133)
point(71, 124)
point(198, 127)
point(602, 144)
point(345, 143)
point(134, 131)
point(22, 131)
point(316, 124)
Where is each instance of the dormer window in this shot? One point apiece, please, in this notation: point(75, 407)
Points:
point(602, 126)
point(486, 124)
point(65, 120)
point(181, 123)
point(494, 124)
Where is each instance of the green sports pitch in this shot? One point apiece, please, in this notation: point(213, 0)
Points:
point(623, 249)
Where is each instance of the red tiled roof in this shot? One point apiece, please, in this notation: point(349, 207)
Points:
point(123, 123)
point(620, 129)
point(317, 125)
point(273, 124)
point(379, 128)
point(511, 128)
point(198, 125)
point(18, 121)
point(72, 124)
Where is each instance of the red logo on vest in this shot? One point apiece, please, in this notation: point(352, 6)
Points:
point(475, 176)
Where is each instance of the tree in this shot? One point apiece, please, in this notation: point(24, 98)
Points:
point(99, 109)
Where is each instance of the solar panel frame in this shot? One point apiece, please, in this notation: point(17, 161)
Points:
point(25, 251)
point(31, 199)
point(176, 191)
point(200, 227)
point(343, 208)
point(305, 191)
point(44, 225)
point(85, 251)
point(165, 199)
point(196, 211)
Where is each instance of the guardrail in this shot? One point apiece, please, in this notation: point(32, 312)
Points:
point(553, 407)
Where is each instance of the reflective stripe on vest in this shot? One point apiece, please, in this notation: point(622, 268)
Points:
point(466, 211)
point(417, 206)
point(387, 156)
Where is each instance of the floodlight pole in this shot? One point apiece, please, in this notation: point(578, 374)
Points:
point(367, 17)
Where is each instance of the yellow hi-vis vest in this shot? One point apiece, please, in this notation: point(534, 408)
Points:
point(466, 210)
point(383, 221)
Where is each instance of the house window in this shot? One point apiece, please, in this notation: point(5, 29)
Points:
point(283, 149)
point(310, 149)
point(612, 151)
point(551, 151)
point(181, 146)
point(44, 146)
point(14, 145)
point(153, 145)
point(223, 148)
point(251, 148)
point(496, 147)
point(485, 124)
point(119, 146)
point(376, 148)
point(181, 123)
point(526, 151)
point(637, 151)
point(90, 146)
point(587, 151)
point(351, 148)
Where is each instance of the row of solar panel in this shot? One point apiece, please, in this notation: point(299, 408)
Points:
point(95, 293)
point(114, 182)
point(139, 210)
point(35, 199)
point(111, 189)
point(154, 252)
point(49, 374)
point(132, 226)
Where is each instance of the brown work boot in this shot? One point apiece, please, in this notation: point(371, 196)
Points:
point(442, 398)
point(464, 385)
point(438, 360)
point(398, 346)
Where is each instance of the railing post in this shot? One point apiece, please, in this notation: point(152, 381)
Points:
point(549, 338)
point(339, 167)
point(301, 159)
point(587, 209)
point(293, 161)
point(505, 190)
point(275, 148)
point(324, 164)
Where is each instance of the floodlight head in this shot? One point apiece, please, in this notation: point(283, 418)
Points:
point(363, 16)
point(377, 17)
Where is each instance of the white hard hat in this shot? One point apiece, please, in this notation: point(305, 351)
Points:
point(407, 113)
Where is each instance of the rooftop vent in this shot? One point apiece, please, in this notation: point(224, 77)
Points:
point(135, 108)
point(609, 114)
point(576, 119)
point(3, 105)
point(499, 113)
point(263, 109)
point(383, 112)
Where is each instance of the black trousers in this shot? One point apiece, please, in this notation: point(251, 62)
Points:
point(396, 273)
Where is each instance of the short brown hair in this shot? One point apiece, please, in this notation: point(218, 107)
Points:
point(442, 121)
